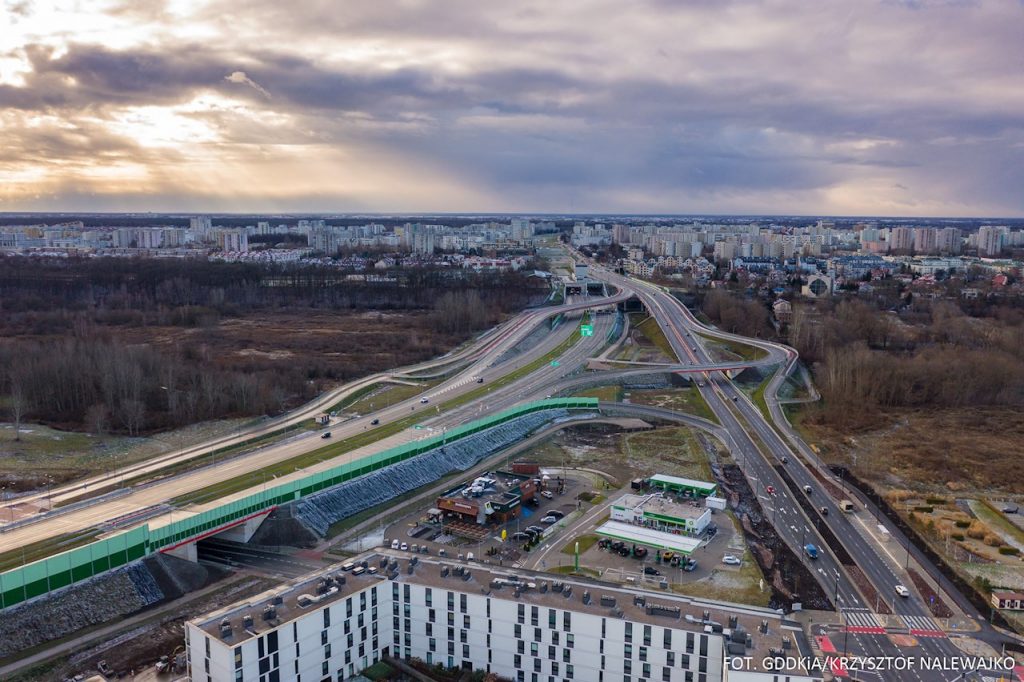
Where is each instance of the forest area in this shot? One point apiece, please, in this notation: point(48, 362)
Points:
point(866, 360)
point(133, 346)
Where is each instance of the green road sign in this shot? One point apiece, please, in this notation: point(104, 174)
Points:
point(586, 330)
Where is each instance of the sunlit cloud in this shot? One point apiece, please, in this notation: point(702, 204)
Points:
point(723, 106)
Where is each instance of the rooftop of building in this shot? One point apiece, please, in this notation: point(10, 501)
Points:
point(684, 482)
point(662, 506)
point(579, 594)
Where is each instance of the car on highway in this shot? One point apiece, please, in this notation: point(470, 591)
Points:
point(785, 460)
point(479, 380)
point(770, 489)
point(811, 551)
point(549, 519)
point(807, 489)
point(735, 399)
point(375, 422)
point(731, 560)
point(824, 511)
point(902, 591)
point(424, 401)
point(651, 570)
point(325, 434)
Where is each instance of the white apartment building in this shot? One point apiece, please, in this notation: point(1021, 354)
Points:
point(522, 625)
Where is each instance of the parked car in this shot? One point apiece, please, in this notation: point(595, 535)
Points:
point(731, 560)
point(557, 514)
point(404, 547)
point(521, 536)
point(537, 529)
point(549, 519)
point(902, 591)
point(325, 434)
point(691, 565)
point(651, 570)
point(639, 552)
point(394, 544)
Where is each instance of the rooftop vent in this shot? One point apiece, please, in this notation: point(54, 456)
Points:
point(557, 586)
point(732, 621)
point(444, 571)
point(466, 575)
point(586, 597)
point(269, 613)
point(639, 600)
point(544, 587)
point(225, 632)
point(607, 600)
point(277, 600)
point(383, 562)
point(247, 622)
point(764, 626)
point(567, 591)
point(410, 569)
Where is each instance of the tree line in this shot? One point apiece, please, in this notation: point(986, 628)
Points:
point(80, 339)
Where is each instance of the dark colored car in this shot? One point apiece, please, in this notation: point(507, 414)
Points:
point(326, 434)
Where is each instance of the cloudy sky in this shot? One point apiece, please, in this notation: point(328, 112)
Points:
point(649, 106)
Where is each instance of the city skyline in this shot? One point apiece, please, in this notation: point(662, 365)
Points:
point(891, 108)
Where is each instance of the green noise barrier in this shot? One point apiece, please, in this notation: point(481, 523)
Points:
point(67, 568)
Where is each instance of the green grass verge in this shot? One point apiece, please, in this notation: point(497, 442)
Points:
point(992, 516)
point(650, 329)
point(743, 350)
point(391, 394)
point(379, 671)
point(687, 400)
point(258, 477)
point(586, 542)
point(45, 548)
point(758, 397)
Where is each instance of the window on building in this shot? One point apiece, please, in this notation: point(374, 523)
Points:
point(463, 636)
point(465, 651)
point(551, 653)
point(554, 668)
point(647, 635)
point(554, 637)
point(430, 628)
point(463, 603)
point(534, 615)
point(647, 670)
point(327, 651)
point(323, 637)
point(643, 653)
point(627, 667)
point(569, 672)
point(703, 645)
point(517, 630)
point(406, 593)
point(348, 607)
point(627, 650)
point(629, 632)
point(522, 613)
point(429, 597)
point(689, 642)
point(465, 622)
point(670, 658)
point(432, 644)
point(566, 621)
point(534, 647)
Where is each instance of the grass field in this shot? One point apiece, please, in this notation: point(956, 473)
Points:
point(384, 395)
point(605, 393)
point(687, 400)
point(742, 351)
point(676, 449)
point(586, 542)
point(650, 329)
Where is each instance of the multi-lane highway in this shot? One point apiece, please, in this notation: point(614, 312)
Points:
point(761, 463)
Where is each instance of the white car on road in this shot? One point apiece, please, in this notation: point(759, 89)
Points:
point(902, 591)
point(731, 560)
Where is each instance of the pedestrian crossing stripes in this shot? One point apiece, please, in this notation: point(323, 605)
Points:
point(861, 619)
point(920, 623)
